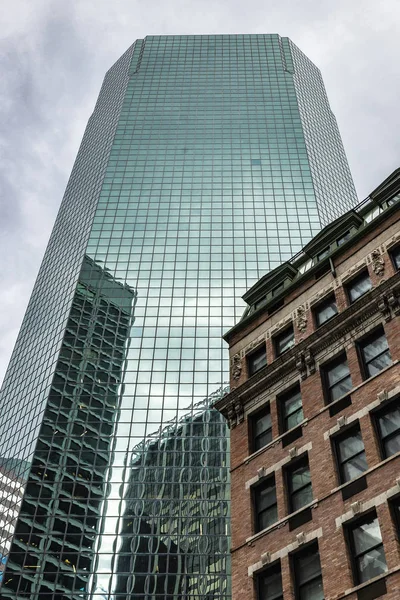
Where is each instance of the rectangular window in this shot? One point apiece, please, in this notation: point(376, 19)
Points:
point(325, 311)
point(350, 454)
point(284, 341)
point(266, 510)
point(358, 286)
point(366, 547)
point(269, 584)
point(307, 574)
point(290, 409)
point(323, 254)
point(299, 487)
point(395, 256)
point(343, 239)
point(388, 426)
point(336, 379)
point(374, 353)
point(260, 429)
point(257, 360)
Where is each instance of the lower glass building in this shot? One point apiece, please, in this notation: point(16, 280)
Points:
point(207, 161)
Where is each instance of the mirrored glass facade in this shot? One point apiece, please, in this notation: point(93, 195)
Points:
point(208, 160)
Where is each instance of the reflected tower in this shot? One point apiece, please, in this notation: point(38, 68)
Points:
point(207, 161)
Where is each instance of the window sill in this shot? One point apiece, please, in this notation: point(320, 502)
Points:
point(362, 586)
point(281, 522)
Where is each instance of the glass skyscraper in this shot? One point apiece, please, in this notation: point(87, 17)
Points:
point(207, 161)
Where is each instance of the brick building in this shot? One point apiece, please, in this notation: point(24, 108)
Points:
point(314, 412)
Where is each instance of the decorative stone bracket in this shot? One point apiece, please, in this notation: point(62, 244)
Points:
point(389, 305)
point(305, 364)
point(378, 263)
point(235, 413)
point(301, 318)
point(236, 366)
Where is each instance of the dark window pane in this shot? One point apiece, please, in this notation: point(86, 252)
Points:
point(300, 478)
point(372, 564)
point(325, 311)
point(338, 379)
point(359, 286)
point(312, 590)
point(257, 360)
point(265, 504)
point(270, 585)
point(284, 341)
point(344, 238)
point(301, 498)
point(368, 551)
point(375, 354)
point(396, 257)
point(261, 429)
point(323, 254)
point(308, 578)
point(351, 455)
point(350, 445)
point(389, 430)
point(292, 410)
point(299, 484)
point(354, 467)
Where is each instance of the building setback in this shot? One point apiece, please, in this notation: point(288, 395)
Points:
point(208, 160)
point(314, 412)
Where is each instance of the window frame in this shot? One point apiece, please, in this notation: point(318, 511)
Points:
point(366, 340)
point(270, 572)
point(371, 516)
point(320, 306)
point(267, 482)
point(343, 238)
point(336, 440)
point(293, 466)
point(281, 400)
point(308, 550)
point(256, 352)
point(359, 277)
point(380, 412)
point(394, 254)
point(276, 338)
point(327, 388)
point(252, 418)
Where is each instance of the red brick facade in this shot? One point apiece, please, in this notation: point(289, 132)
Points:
point(336, 506)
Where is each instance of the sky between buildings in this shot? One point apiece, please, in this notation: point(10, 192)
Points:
point(53, 57)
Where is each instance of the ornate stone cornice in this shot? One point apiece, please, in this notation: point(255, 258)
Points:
point(384, 299)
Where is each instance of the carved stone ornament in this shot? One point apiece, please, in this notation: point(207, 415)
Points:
point(239, 411)
point(301, 538)
point(301, 318)
point(356, 507)
point(231, 417)
point(378, 263)
point(389, 304)
point(236, 366)
point(301, 366)
point(266, 558)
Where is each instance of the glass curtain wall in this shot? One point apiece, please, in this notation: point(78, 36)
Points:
point(208, 161)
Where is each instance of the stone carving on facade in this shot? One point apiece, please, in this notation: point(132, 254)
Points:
point(235, 413)
point(378, 263)
point(310, 362)
point(301, 366)
point(236, 369)
point(301, 318)
point(389, 304)
point(239, 411)
point(231, 417)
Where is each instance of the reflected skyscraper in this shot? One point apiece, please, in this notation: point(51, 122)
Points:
point(208, 160)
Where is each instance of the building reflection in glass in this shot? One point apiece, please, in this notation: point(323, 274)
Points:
point(52, 552)
point(173, 539)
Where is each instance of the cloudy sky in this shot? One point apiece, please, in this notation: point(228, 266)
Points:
point(54, 55)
